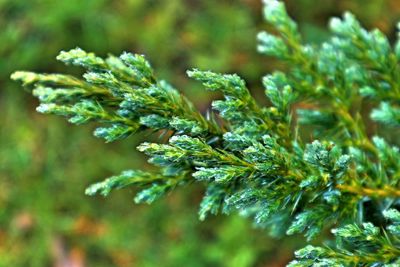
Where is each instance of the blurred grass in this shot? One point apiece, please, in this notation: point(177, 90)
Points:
point(45, 163)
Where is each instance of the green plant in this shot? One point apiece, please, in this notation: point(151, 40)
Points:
point(33, 168)
point(304, 164)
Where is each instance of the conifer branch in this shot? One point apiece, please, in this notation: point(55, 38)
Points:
point(260, 161)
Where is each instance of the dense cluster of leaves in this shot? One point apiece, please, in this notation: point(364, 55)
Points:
point(254, 159)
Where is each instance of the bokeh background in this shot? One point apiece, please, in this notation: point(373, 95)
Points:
point(46, 163)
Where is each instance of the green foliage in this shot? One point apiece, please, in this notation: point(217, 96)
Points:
point(259, 160)
point(37, 157)
point(363, 245)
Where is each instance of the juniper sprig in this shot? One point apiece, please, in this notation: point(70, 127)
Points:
point(261, 161)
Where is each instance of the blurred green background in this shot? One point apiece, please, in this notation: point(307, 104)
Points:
point(46, 163)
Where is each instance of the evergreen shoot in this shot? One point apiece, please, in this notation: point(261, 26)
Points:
point(316, 159)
